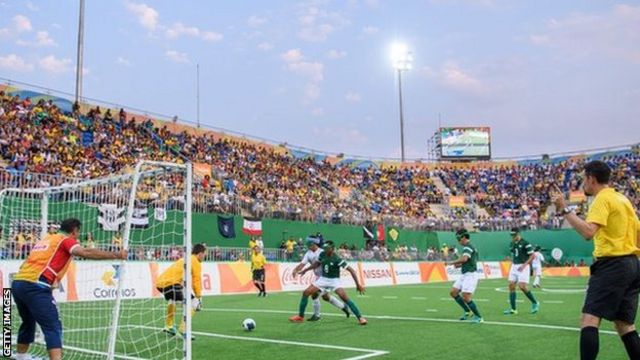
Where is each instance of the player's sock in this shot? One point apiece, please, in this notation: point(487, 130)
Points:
point(530, 296)
point(536, 280)
point(316, 306)
point(632, 344)
point(257, 285)
point(263, 288)
point(512, 300)
point(589, 343)
point(171, 312)
point(303, 305)
point(462, 304)
point(474, 308)
point(336, 302)
point(182, 324)
point(354, 309)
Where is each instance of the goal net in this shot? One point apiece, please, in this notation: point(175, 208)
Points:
point(111, 309)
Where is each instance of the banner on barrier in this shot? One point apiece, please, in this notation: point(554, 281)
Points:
point(91, 280)
point(376, 274)
point(406, 272)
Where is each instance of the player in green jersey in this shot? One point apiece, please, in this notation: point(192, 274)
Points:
point(522, 255)
point(330, 264)
point(467, 283)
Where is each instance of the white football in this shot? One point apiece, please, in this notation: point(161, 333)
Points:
point(249, 324)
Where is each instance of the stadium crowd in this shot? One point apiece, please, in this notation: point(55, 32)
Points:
point(268, 181)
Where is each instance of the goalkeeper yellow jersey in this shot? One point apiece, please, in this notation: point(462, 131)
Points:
point(175, 273)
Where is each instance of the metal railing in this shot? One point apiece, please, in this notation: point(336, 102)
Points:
point(11, 251)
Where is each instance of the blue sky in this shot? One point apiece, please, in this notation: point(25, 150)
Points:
point(546, 76)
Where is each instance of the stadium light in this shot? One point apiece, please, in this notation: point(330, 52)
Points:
point(402, 60)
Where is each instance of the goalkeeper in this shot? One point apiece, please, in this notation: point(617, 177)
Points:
point(170, 284)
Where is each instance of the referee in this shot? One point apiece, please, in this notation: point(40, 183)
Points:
point(613, 288)
point(258, 262)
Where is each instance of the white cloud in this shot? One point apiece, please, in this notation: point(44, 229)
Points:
point(13, 62)
point(370, 30)
point(123, 61)
point(178, 29)
point(256, 21)
point(147, 16)
point(176, 56)
point(317, 111)
point(455, 78)
point(21, 23)
point(336, 54)
point(265, 46)
point(292, 55)
point(312, 71)
point(43, 39)
point(54, 65)
point(317, 24)
point(31, 6)
point(613, 34)
point(352, 97)
point(211, 36)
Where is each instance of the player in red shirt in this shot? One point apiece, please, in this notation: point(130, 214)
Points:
point(40, 272)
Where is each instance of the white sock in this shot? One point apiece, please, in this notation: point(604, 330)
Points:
point(316, 306)
point(335, 302)
point(536, 280)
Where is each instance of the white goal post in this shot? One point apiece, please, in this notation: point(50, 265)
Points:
point(111, 309)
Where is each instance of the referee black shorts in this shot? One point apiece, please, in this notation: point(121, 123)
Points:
point(173, 292)
point(258, 275)
point(612, 292)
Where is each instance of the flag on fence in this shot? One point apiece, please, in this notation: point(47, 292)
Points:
point(160, 214)
point(140, 218)
point(252, 226)
point(226, 227)
point(394, 234)
point(110, 217)
point(380, 232)
point(367, 232)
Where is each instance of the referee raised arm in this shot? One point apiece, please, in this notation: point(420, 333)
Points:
point(614, 284)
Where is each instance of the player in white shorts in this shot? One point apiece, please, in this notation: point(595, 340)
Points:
point(522, 255)
point(467, 283)
point(309, 258)
point(536, 265)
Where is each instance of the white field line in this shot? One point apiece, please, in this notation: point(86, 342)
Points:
point(410, 318)
point(418, 298)
point(369, 353)
point(389, 297)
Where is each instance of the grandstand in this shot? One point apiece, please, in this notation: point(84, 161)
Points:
point(131, 234)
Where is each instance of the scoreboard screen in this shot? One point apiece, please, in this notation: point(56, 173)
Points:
point(465, 142)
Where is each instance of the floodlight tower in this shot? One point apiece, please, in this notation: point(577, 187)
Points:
point(402, 60)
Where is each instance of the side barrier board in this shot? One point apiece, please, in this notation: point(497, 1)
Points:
point(98, 280)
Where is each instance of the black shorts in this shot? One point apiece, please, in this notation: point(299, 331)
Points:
point(258, 275)
point(173, 292)
point(612, 292)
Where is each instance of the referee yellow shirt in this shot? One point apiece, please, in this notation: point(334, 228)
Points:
point(252, 244)
point(619, 224)
point(258, 261)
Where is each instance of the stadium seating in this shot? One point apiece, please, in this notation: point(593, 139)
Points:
point(272, 181)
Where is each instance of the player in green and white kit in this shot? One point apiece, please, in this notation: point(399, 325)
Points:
point(467, 283)
point(331, 264)
point(522, 255)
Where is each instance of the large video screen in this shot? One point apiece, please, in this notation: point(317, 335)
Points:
point(465, 142)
